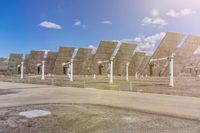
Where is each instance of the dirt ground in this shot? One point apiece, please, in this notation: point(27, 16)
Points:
point(184, 86)
point(81, 118)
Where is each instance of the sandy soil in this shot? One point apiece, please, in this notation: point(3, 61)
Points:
point(77, 118)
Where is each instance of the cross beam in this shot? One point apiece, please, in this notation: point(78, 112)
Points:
point(159, 59)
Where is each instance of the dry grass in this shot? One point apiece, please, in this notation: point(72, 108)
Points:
point(184, 86)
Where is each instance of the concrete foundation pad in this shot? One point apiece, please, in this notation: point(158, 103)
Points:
point(35, 113)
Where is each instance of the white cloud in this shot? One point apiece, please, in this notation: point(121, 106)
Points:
point(79, 24)
point(50, 25)
point(138, 39)
point(129, 40)
point(155, 38)
point(107, 22)
point(183, 12)
point(94, 48)
point(154, 21)
point(187, 12)
point(146, 44)
point(172, 13)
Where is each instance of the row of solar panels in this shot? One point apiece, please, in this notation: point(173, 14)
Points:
point(86, 63)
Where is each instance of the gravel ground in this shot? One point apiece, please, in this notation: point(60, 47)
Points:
point(77, 118)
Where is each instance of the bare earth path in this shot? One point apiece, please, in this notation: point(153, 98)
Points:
point(16, 94)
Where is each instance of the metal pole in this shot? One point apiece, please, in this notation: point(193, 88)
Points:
point(111, 71)
point(127, 65)
point(71, 68)
point(171, 82)
point(94, 77)
point(136, 75)
point(22, 70)
point(43, 70)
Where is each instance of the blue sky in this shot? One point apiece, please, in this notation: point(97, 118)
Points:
point(47, 24)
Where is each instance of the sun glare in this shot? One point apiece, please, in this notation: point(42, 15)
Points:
point(155, 13)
